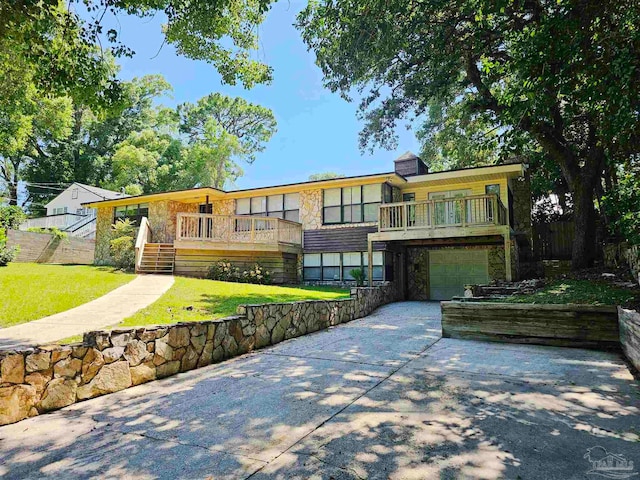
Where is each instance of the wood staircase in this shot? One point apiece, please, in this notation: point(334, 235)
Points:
point(157, 258)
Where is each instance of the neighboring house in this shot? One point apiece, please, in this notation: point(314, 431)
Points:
point(431, 232)
point(67, 212)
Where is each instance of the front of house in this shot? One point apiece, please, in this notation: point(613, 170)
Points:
point(430, 232)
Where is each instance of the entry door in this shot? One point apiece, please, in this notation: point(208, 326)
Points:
point(448, 212)
point(451, 270)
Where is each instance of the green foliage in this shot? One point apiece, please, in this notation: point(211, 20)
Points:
point(11, 217)
point(122, 244)
point(358, 275)
point(324, 176)
point(225, 271)
point(194, 299)
point(55, 231)
point(493, 80)
point(6, 254)
point(35, 290)
point(622, 205)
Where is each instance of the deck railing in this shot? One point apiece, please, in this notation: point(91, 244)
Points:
point(144, 237)
point(451, 212)
point(238, 229)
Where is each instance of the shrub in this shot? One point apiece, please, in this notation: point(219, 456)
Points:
point(122, 244)
point(358, 275)
point(6, 254)
point(11, 216)
point(56, 232)
point(225, 271)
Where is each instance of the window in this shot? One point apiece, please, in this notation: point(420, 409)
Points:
point(312, 266)
point(74, 193)
point(337, 266)
point(408, 197)
point(492, 189)
point(285, 206)
point(378, 265)
point(132, 212)
point(351, 204)
point(59, 210)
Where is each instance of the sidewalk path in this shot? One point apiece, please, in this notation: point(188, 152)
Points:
point(102, 312)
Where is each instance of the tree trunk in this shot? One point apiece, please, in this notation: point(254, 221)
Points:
point(13, 193)
point(584, 217)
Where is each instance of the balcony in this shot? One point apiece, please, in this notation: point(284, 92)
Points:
point(236, 232)
point(451, 217)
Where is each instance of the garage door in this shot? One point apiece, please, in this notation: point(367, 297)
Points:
point(451, 270)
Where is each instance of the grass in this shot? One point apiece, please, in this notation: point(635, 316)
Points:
point(589, 292)
point(30, 291)
point(192, 299)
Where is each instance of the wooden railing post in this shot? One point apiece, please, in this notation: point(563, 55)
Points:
point(494, 205)
point(405, 216)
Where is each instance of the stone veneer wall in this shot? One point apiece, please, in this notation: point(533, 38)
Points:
point(163, 218)
point(629, 323)
point(38, 380)
point(104, 220)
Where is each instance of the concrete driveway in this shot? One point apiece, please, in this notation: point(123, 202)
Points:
point(381, 397)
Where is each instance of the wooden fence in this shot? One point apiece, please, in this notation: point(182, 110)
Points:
point(45, 248)
point(554, 241)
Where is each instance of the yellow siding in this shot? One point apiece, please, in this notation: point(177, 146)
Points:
point(422, 191)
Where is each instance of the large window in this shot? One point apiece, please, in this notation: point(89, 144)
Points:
point(132, 212)
point(285, 206)
point(351, 204)
point(338, 266)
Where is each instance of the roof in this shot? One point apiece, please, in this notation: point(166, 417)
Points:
point(407, 156)
point(195, 194)
point(97, 191)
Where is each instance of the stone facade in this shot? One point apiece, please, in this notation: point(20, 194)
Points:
point(104, 220)
point(224, 207)
point(311, 209)
point(629, 321)
point(163, 218)
point(34, 381)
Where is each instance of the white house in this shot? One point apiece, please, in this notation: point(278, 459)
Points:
point(67, 213)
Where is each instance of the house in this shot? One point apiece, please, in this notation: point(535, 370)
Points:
point(430, 232)
point(67, 212)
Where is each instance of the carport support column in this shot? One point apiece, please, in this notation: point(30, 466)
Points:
point(507, 254)
point(370, 262)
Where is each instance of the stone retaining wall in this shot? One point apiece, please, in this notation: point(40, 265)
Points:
point(584, 326)
point(630, 335)
point(45, 248)
point(39, 380)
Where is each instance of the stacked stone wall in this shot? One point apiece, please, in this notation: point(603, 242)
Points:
point(37, 380)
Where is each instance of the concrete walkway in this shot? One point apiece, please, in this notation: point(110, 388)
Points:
point(110, 309)
point(382, 398)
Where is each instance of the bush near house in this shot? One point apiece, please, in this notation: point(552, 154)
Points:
point(225, 271)
point(11, 216)
point(6, 254)
point(122, 244)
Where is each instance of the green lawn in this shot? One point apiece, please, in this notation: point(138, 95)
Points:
point(30, 291)
point(591, 292)
point(192, 299)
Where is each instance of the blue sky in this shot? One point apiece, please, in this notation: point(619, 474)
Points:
point(317, 130)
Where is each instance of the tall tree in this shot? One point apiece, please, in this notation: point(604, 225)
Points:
point(564, 72)
point(239, 128)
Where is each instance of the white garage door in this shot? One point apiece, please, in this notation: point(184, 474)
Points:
point(451, 270)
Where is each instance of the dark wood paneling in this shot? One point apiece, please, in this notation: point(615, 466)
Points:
point(347, 239)
point(410, 167)
point(558, 325)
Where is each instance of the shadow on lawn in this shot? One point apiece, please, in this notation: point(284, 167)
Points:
point(329, 405)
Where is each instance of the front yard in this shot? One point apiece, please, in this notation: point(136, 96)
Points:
point(30, 291)
point(587, 292)
point(192, 299)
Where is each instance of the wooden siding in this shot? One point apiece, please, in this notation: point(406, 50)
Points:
point(195, 263)
point(422, 190)
point(410, 167)
point(347, 239)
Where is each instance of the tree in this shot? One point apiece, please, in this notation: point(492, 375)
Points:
point(234, 127)
point(59, 45)
point(324, 176)
point(564, 74)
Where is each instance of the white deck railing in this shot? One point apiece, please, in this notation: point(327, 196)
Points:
point(237, 229)
point(451, 212)
point(144, 237)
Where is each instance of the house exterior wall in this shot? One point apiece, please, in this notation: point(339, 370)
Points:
point(104, 220)
point(163, 216)
point(74, 205)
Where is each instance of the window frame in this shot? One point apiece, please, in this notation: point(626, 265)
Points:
point(380, 270)
point(282, 213)
point(135, 218)
point(362, 205)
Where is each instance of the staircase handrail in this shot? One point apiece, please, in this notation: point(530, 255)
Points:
point(144, 237)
